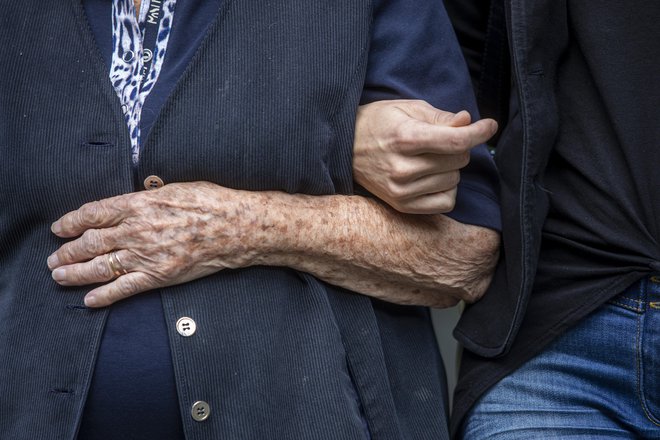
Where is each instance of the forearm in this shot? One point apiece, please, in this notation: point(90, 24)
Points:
point(363, 245)
point(147, 240)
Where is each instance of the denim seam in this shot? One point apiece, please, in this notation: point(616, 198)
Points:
point(626, 306)
point(481, 385)
point(640, 390)
point(475, 392)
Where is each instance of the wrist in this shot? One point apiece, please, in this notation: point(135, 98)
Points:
point(267, 224)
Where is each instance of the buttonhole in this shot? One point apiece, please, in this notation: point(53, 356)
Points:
point(66, 391)
point(97, 144)
point(75, 307)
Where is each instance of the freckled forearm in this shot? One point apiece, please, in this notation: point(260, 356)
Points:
point(364, 246)
point(185, 231)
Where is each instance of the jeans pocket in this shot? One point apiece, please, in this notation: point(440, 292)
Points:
point(649, 364)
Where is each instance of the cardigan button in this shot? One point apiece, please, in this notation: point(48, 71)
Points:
point(186, 326)
point(200, 411)
point(153, 182)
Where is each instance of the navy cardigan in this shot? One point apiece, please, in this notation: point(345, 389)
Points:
point(273, 347)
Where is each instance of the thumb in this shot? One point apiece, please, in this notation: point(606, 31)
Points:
point(459, 119)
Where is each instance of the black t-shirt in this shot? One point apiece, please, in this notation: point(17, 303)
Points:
point(603, 226)
point(602, 232)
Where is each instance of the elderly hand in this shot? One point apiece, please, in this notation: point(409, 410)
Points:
point(150, 239)
point(409, 153)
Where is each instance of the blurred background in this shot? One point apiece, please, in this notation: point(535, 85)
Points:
point(444, 321)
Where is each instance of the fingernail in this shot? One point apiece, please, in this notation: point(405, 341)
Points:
point(53, 261)
point(56, 227)
point(59, 274)
point(91, 301)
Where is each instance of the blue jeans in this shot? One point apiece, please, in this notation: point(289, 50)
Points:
point(600, 380)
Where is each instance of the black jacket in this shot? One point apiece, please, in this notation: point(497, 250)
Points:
point(515, 49)
point(526, 140)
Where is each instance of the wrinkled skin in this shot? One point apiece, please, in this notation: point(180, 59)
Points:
point(185, 231)
point(168, 236)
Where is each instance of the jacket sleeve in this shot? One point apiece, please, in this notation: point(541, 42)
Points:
point(414, 54)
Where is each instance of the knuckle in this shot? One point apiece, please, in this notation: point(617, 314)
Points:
point(444, 203)
point(404, 136)
point(130, 284)
point(92, 213)
point(446, 207)
point(395, 191)
point(400, 172)
point(67, 253)
point(100, 269)
point(440, 118)
point(93, 241)
point(126, 286)
point(397, 138)
point(456, 141)
point(450, 203)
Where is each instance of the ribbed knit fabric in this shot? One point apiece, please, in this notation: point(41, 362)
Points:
point(276, 354)
point(62, 144)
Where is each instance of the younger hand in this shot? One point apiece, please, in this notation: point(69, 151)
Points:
point(409, 154)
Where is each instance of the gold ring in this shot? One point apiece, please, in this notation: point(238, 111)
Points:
point(115, 265)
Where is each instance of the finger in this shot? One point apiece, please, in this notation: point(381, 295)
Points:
point(123, 287)
point(418, 137)
point(438, 203)
point(460, 119)
point(425, 112)
point(93, 215)
point(425, 186)
point(92, 243)
point(409, 168)
point(97, 270)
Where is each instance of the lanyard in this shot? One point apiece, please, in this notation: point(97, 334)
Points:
point(150, 36)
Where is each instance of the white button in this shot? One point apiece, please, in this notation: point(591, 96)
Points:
point(186, 326)
point(200, 411)
point(153, 182)
point(128, 56)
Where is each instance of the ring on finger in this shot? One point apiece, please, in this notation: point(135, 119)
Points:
point(114, 263)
